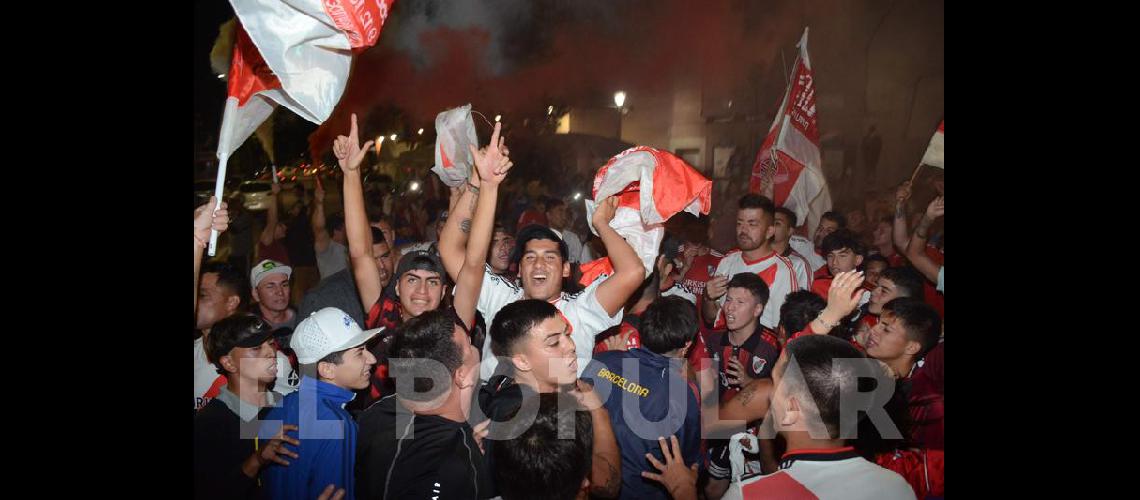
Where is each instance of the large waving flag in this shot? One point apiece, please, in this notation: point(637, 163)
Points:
point(934, 152)
point(651, 186)
point(788, 167)
point(296, 53)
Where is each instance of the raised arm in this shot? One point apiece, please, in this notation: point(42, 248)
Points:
point(205, 219)
point(629, 272)
point(270, 216)
point(349, 154)
point(321, 236)
point(916, 251)
point(453, 238)
point(491, 166)
point(899, 233)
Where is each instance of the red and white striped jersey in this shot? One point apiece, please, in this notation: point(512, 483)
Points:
point(834, 473)
point(775, 270)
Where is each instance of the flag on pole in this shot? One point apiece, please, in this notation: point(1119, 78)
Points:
point(652, 186)
point(788, 168)
point(296, 53)
point(933, 156)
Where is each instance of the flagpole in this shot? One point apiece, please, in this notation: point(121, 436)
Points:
point(915, 172)
point(219, 185)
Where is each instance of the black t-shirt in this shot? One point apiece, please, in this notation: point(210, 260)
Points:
point(400, 455)
point(218, 454)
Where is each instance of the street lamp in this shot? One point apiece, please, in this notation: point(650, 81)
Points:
point(619, 101)
point(497, 118)
point(392, 137)
point(414, 186)
point(421, 131)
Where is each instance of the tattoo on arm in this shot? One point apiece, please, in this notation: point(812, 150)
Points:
point(474, 199)
point(900, 212)
point(923, 226)
point(465, 226)
point(745, 395)
point(612, 480)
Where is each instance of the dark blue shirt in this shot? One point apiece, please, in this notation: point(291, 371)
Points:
point(328, 442)
point(647, 397)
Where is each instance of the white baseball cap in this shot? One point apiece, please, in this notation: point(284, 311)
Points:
point(266, 267)
point(327, 331)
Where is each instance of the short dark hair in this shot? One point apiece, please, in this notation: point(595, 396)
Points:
point(537, 232)
point(836, 217)
point(875, 258)
point(799, 309)
point(840, 239)
point(906, 280)
point(514, 320)
point(428, 336)
point(501, 227)
point(226, 333)
point(752, 283)
point(920, 321)
point(667, 324)
point(753, 200)
point(825, 381)
point(378, 237)
point(793, 221)
point(539, 464)
point(336, 358)
point(230, 278)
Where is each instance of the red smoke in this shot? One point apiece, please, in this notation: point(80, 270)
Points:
point(718, 40)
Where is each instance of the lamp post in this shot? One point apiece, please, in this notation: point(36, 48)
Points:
point(619, 101)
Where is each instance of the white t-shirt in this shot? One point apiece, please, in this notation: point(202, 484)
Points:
point(586, 316)
point(800, 265)
point(573, 245)
point(775, 270)
point(806, 249)
point(333, 260)
point(207, 382)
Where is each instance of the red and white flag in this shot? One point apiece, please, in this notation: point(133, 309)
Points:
point(651, 186)
point(296, 53)
point(788, 167)
point(934, 156)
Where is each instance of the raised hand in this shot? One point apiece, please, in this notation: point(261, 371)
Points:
point(492, 162)
point(936, 208)
point(348, 151)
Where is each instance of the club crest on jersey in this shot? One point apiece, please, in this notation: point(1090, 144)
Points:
point(758, 364)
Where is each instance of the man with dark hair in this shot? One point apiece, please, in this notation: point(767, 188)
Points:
point(754, 230)
point(418, 444)
point(654, 376)
point(873, 267)
point(895, 282)
point(499, 258)
point(221, 292)
point(799, 309)
point(882, 243)
point(699, 261)
point(806, 412)
point(785, 223)
point(844, 254)
point(745, 350)
point(227, 459)
point(829, 222)
point(906, 337)
point(334, 363)
point(543, 262)
point(557, 213)
point(540, 459)
point(533, 335)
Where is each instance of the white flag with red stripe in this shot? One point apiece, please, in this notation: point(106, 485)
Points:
point(934, 151)
point(652, 186)
point(788, 168)
point(296, 53)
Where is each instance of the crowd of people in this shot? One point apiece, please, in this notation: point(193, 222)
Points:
point(474, 364)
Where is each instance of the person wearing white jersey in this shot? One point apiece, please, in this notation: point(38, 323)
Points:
point(754, 254)
point(543, 263)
